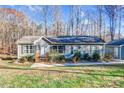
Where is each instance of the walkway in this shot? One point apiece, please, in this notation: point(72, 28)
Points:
point(37, 65)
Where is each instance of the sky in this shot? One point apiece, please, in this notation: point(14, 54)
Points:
point(34, 15)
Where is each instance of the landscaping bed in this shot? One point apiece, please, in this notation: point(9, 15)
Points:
point(7, 57)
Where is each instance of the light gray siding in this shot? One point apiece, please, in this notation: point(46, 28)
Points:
point(23, 51)
point(112, 50)
point(19, 51)
point(122, 53)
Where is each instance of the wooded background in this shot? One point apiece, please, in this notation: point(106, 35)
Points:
point(105, 22)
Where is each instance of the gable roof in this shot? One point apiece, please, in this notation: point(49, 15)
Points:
point(116, 42)
point(27, 39)
point(68, 40)
point(73, 40)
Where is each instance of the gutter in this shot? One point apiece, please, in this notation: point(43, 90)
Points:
point(53, 43)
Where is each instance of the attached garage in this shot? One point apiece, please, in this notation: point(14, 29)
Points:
point(116, 48)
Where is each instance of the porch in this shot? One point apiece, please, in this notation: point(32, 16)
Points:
point(87, 48)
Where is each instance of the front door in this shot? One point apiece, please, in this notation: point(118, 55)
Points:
point(42, 51)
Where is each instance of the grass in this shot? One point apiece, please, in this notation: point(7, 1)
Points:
point(22, 76)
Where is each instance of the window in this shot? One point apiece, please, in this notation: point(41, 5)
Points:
point(59, 49)
point(28, 49)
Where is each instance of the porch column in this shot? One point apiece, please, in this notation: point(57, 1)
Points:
point(103, 55)
point(64, 49)
point(120, 51)
point(71, 49)
point(90, 49)
point(57, 48)
point(51, 48)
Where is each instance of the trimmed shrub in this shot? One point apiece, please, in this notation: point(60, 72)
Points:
point(56, 57)
point(27, 59)
point(108, 57)
point(86, 56)
point(22, 60)
point(96, 56)
point(30, 58)
point(77, 56)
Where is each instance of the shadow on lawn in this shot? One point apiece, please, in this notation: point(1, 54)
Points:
point(121, 66)
point(62, 71)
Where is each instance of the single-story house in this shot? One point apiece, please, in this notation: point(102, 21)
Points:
point(28, 45)
point(116, 48)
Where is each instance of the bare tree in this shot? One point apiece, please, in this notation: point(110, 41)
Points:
point(78, 19)
point(13, 25)
point(100, 19)
point(45, 13)
point(57, 20)
point(120, 22)
point(71, 19)
point(111, 11)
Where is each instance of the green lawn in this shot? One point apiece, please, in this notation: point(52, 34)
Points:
point(13, 75)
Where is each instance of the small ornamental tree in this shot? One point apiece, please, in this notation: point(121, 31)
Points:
point(37, 56)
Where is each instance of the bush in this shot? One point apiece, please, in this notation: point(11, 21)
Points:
point(86, 56)
point(108, 57)
point(30, 58)
point(7, 57)
point(21, 60)
point(47, 57)
point(56, 57)
point(27, 59)
point(77, 56)
point(96, 56)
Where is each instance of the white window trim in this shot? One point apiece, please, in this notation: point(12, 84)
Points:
point(27, 49)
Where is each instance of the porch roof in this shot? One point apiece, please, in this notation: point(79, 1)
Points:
point(74, 40)
point(116, 42)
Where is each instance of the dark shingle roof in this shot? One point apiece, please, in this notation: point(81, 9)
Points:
point(74, 40)
point(62, 40)
point(27, 39)
point(116, 42)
